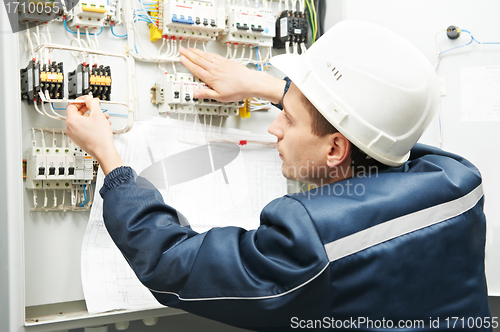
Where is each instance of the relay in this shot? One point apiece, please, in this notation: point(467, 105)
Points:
point(291, 26)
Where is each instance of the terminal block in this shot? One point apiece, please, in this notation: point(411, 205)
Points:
point(100, 82)
point(79, 81)
point(30, 81)
point(250, 26)
point(52, 80)
point(290, 27)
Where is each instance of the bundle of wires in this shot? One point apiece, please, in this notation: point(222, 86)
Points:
point(316, 8)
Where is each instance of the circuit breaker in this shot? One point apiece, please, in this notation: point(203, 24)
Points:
point(88, 14)
point(198, 20)
point(250, 26)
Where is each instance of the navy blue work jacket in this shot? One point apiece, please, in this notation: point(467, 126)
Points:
point(399, 248)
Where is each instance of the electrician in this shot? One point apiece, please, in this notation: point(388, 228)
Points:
point(392, 236)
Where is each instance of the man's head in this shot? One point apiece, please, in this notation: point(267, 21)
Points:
point(370, 84)
point(312, 150)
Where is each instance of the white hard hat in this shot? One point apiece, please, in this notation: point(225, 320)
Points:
point(371, 84)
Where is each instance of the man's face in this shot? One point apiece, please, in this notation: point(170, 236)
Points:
point(304, 154)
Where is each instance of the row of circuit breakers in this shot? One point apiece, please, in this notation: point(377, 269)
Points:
point(58, 167)
point(232, 24)
point(85, 79)
point(196, 20)
point(174, 94)
point(62, 169)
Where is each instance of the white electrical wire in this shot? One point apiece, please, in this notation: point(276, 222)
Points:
point(33, 142)
point(242, 52)
point(63, 139)
point(45, 200)
point(44, 111)
point(63, 199)
point(27, 38)
point(73, 196)
point(43, 138)
point(233, 56)
point(36, 108)
point(95, 39)
point(61, 117)
point(48, 32)
point(260, 56)
point(161, 46)
point(303, 48)
point(55, 199)
point(287, 44)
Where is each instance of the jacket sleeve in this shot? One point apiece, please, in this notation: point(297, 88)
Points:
point(252, 279)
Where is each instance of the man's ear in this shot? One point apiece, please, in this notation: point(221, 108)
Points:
point(340, 149)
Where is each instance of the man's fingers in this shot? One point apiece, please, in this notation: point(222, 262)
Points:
point(76, 107)
point(194, 68)
point(206, 94)
point(208, 56)
point(197, 57)
point(93, 105)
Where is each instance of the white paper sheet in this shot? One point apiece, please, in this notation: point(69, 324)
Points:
point(253, 180)
point(480, 93)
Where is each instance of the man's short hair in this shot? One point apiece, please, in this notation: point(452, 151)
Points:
point(321, 127)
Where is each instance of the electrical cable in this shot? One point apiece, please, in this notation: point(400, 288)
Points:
point(311, 21)
point(119, 36)
point(85, 194)
point(315, 21)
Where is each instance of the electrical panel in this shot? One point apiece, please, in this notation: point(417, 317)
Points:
point(112, 50)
